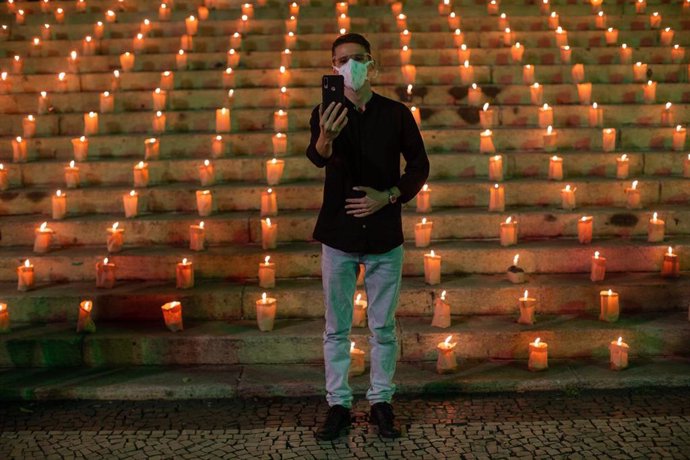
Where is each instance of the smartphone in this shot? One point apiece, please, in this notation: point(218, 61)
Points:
point(332, 89)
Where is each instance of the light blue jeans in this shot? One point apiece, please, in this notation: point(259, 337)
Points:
point(382, 279)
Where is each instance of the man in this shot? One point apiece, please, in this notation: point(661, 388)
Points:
point(359, 141)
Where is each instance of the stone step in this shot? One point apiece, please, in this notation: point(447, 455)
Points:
point(466, 295)
point(462, 192)
point(516, 165)
point(606, 95)
point(300, 341)
point(294, 380)
point(247, 120)
point(629, 139)
point(244, 227)
point(157, 58)
point(253, 78)
point(155, 262)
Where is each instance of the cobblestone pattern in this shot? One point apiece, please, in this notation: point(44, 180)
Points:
point(644, 424)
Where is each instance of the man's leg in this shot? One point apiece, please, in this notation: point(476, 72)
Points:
point(382, 283)
point(339, 275)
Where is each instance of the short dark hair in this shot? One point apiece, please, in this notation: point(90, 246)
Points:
point(351, 38)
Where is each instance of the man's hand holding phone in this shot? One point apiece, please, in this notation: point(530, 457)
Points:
point(332, 121)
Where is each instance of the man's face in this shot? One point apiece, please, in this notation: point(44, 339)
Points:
point(349, 50)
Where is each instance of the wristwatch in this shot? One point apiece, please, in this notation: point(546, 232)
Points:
point(392, 197)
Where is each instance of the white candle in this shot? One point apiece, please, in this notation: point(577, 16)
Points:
point(497, 198)
point(265, 313)
point(509, 232)
point(197, 237)
point(527, 306)
point(59, 205)
point(432, 268)
point(71, 175)
point(172, 316)
point(538, 355)
point(584, 229)
point(422, 233)
point(441, 316)
point(446, 361)
point(655, 229)
point(141, 174)
point(598, 268)
point(130, 202)
point(105, 274)
point(555, 168)
point(568, 197)
point(424, 199)
point(609, 308)
point(274, 171)
point(42, 238)
point(618, 354)
point(269, 234)
point(184, 275)
point(115, 238)
point(632, 194)
point(25, 276)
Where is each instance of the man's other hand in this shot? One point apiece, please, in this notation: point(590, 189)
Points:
point(368, 204)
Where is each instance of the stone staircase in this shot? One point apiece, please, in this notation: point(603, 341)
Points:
point(221, 351)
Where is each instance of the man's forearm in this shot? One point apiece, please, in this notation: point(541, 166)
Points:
point(324, 148)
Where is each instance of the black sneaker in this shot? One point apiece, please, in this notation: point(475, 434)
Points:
point(337, 420)
point(382, 416)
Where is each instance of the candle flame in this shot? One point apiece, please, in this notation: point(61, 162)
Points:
point(269, 191)
point(58, 193)
point(474, 86)
point(654, 217)
point(679, 128)
point(496, 186)
point(268, 221)
point(567, 188)
point(624, 157)
point(610, 29)
point(649, 83)
point(458, 31)
point(263, 297)
point(670, 250)
point(132, 193)
point(43, 226)
point(634, 184)
point(207, 163)
point(115, 225)
point(447, 341)
point(554, 14)
point(201, 224)
point(425, 187)
point(620, 340)
point(140, 165)
point(423, 220)
point(596, 254)
point(359, 297)
point(668, 105)
point(624, 45)
point(27, 264)
point(105, 261)
point(352, 346)
point(486, 107)
point(509, 219)
point(517, 44)
point(610, 292)
point(549, 129)
point(466, 64)
point(516, 259)
point(536, 341)
point(443, 295)
point(526, 294)
point(87, 305)
point(184, 261)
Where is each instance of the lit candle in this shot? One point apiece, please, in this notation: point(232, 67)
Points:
point(357, 366)
point(566, 54)
point(568, 197)
point(608, 139)
point(138, 43)
point(25, 276)
point(555, 168)
point(274, 171)
point(184, 275)
point(618, 354)
point(516, 52)
point(29, 126)
point(206, 173)
point(290, 40)
point(497, 198)
point(167, 81)
point(197, 237)
point(269, 233)
point(106, 102)
point(686, 166)
point(115, 80)
point(640, 6)
point(584, 93)
point(492, 7)
point(600, 20)
point(670, 268)
point(649, 92)
point(466, 73)
point(441, 316)
point(145, 27)
point(279, 141)
point(545, 116)
point(596, 5)
point(4, 318)
point(677, 54)
point(516, 275)
point(17, 65)
point(130, 202)
point(265, 312)
point(486, 117)
point(596, 115)
point(90, 123)
point(283, 76)
point(474, 95)
point(98, 30)
point(584, 229)
point(163, 12)
point(283, 98)
point(577, 73)
point(486, 143)
point(405, 37)
point(181, 60)
point(344, 22)
point(633, 196)
point(80, 148)
point(72, 175)
point(159, 99)
point(204, 202)
point(432, 268)
point(550, 139)
point(141, 174)
point(5, 84)
point(192, 25)
point(611, 36)
point(409, 73)
point(422, 233)
point(115, 238)
point(609, 309)
point(36, 47)
point(359, 314)
point(280, 121)
point(59, 205)
point(127, 61)
point(527, 305)
point(159, 122)
point(458, 38)
point(453, 20)
point(553, 20)
point(538, 355)
point(218, 146)
point(267, 273)
point(639, 72)
point(561, 36)
point(105, 274)
point(528, 74)
point(496, 168)
point(622, 167)
point(20, 17)
point(679, 138)
point(446, 361)
point(4, 181)
point(84, 322)
point(151, 149)
point(285, 58)
point(19, 150)
point(655, 229)
point(625, 54)
point(172, 314)
point(536, 92)
point(598, 269)
point(269, 204)
point(667, 115)
point(424, 199)
point(654, 20)
point(416, 114)
point(110, 16)
point(42, 239)
point(544, 7)
point(509, 232)
point(294, 9)
point(43, 103)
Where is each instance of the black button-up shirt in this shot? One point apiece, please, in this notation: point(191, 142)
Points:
point(367, 153)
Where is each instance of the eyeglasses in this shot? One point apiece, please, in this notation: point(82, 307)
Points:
point(366, 57)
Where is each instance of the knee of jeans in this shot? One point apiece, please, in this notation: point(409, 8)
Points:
point(336, 335)
point(384, 335)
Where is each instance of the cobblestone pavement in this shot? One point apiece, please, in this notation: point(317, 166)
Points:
point(604, 424)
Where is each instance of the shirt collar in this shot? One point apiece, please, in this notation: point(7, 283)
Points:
point(367, 106)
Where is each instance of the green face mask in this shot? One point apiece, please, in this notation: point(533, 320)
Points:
point(354, 73)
